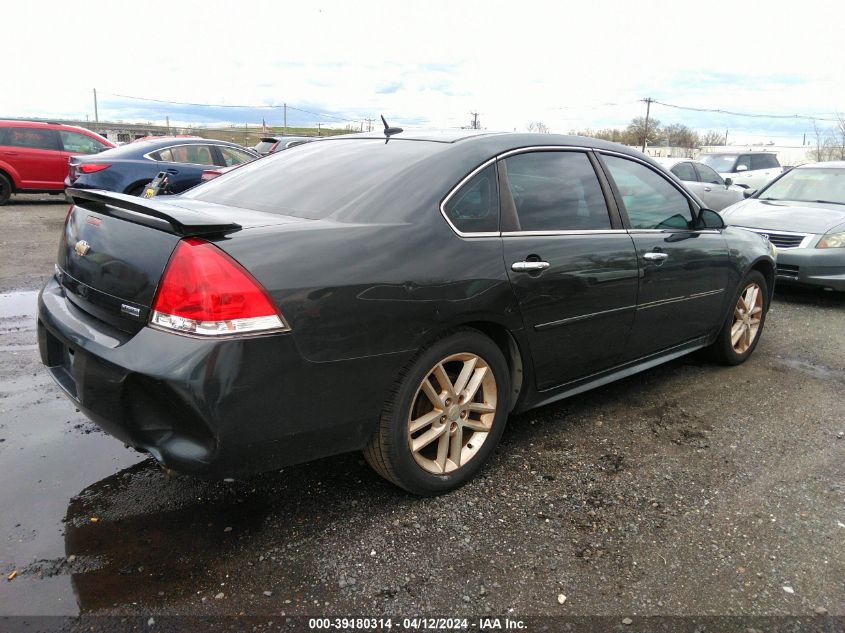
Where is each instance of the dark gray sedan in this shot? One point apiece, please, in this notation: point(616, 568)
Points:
point(396, 293)
point(803, 215)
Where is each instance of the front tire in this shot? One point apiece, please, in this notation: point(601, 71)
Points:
point(444, 415)
point(742, 329)
point(5, 189)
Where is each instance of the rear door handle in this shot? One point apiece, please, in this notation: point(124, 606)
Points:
point(172, 171)
point(655, 257)
point(529, 266)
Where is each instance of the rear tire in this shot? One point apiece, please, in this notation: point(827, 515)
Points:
point(741, 330)
point(5, 189)
point(444, 415)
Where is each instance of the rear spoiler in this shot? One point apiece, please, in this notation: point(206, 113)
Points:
point(152, 212)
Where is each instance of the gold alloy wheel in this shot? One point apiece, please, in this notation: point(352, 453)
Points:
point(747, 315)
point(452, 413)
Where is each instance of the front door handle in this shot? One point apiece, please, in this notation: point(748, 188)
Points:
point(655, 256)
point(707, 189)
point(172, 171)
point(521, 267)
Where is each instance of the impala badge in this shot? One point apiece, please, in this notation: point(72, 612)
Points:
point(82, 247)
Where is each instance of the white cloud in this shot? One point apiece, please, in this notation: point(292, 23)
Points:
point(433, 61)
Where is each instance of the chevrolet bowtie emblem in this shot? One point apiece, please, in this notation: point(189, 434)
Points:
point(82, 247)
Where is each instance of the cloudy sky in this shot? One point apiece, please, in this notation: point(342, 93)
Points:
point(569, 64)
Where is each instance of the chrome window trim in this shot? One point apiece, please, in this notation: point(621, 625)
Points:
point(561, 232)
point(161, 149)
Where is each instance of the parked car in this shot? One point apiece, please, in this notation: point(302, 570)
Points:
point(129, 168)
point(803, 214)
point(264, 318)
point(709, 186)
point(34, 155)
point(272, 144)
point(751, 170)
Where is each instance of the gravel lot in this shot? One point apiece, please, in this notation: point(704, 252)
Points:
point(690, 489)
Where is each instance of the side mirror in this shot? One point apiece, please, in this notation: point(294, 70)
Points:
point(709, 219)
point(749, 192)
point(729, 182)
point(741, 168)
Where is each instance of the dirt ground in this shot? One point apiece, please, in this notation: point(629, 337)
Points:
point(689, 489)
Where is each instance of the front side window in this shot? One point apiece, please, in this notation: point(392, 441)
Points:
point(474, 208)
point(708, 175)
point(31, 138)
point(556, 191)
point(743, 161)
point(232, 156)
point(684, 171)
point(651, 201)
point(80, 144)
point(723, 163)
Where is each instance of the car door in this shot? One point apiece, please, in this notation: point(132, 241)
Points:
point(683, 272)
point(764, 168)
point(714, 193)
point(571, 264)
point(37, 155)
point(686, 172)
point(742, 174)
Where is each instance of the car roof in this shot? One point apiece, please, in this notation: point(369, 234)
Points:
point(46, 125)
point(490, 143)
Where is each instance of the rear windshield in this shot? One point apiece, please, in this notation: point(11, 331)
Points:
point(723, 163)
point(318, 180)
point(264, 146)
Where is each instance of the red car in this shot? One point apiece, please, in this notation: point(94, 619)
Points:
point(34, 156)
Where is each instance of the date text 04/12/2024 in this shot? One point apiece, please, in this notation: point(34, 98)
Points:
point(415, 624)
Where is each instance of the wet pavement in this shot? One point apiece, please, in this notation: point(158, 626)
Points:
point(689, 489)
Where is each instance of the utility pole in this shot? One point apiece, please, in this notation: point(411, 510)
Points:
point(648, 101)
point(318, 128)
point(474, 120)
point(96, 113)
point(369, 125)
point(285, 133)
point(167, 118)
point(726, 136)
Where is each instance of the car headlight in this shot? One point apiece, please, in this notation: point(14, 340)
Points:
point(834, 240)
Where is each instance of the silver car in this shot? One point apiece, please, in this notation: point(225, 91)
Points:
point(714, 191)
point(803, 215)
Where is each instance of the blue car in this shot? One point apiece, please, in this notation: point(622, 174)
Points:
point(128, 168)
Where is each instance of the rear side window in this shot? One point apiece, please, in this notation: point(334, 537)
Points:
point(232, 156)
point(556, 191)
point(31, 138)
point(684, 171)
point(650, 200)
point(80, 143)
point(474, 208)
point(192, 154)
point(3, 131)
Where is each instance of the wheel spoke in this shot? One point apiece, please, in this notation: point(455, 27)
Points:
point(476, 425)
point(427, 438)
point(475, 383)
point(443, 378)
point(432, 394)
point(736, 332)
point(480, 407)
point(443, 451)
point(456, 445)
point(424, 420)
point(466, 372)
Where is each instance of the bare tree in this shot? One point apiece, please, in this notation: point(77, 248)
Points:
point(539, 127)
point(711, 138)
point(838, 134)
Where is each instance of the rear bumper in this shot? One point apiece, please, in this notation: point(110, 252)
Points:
point(812, 267)
point(208, 407)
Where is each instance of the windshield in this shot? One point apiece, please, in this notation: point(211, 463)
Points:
point(723, 163)
point(808, 185)
point(318, 180)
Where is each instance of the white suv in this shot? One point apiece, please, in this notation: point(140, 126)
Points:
point(750, 170)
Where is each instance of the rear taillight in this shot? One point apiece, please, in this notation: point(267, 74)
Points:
point(205, 292)
point(91, 168)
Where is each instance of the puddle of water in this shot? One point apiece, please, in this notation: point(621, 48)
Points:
point(18, 304)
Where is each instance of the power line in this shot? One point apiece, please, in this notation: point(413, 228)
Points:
point(226, 105)
point(746, 114)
